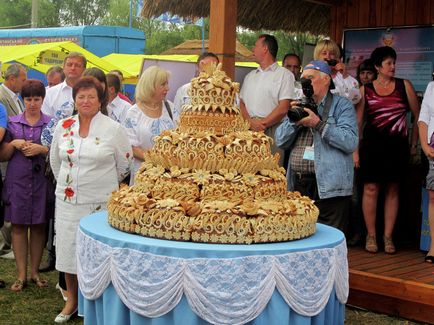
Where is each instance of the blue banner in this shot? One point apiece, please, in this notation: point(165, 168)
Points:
point(414, 47)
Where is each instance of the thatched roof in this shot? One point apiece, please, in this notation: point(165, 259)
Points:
point(287, 15)
point(242, 53)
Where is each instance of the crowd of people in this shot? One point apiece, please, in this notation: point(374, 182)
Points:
point(67, 146)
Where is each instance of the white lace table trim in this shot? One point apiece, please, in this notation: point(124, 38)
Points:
point(219, 290)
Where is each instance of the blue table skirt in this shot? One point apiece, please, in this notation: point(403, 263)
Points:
point(109, 309)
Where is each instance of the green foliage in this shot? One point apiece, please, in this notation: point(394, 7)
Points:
point(82, 12)
point(160, 36)
point(15, 13)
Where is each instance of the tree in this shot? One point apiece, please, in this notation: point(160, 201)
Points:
point(15, 14)
point(82, 12)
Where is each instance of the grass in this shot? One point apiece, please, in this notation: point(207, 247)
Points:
point(39, 306)
point(33, 305)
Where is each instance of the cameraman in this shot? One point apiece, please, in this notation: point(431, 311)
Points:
point(320, 163)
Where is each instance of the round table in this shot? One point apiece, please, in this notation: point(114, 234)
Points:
point(130, 279)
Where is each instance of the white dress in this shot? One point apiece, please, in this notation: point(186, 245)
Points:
point(87, 170)
point(142, 129)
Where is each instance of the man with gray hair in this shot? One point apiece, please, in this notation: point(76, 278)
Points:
point(322, 140)
point(9, 96)
point(9, 91)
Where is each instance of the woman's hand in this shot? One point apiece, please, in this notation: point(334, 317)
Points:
point(340, 67)
point(33, 149)
point(356, 159)
point(18, 143)
point(429, 152)
point(413, 151)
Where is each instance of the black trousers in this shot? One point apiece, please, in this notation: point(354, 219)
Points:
point(333, 211)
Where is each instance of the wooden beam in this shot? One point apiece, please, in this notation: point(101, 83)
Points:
point(327, 2)
point(222, 33)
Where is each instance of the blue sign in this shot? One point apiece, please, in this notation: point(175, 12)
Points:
point(414, 47)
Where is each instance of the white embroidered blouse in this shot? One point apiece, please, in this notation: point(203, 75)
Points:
point(88, 169)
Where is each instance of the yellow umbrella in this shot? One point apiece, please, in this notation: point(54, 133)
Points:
point(133, 62)
point(44, 55)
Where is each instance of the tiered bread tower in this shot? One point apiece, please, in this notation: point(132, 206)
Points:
point(211, 180)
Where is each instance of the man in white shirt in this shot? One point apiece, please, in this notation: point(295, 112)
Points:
point(117, 107)
point(55, 76)
point(266, 91)
point(59, 97)
point(9, 91)
point(182, 97)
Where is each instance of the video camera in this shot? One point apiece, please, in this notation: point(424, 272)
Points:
point(297, 113)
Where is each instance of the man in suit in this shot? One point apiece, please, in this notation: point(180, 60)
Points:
point(9, 91)
point(9, 96)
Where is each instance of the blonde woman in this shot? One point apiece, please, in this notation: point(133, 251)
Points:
point(345, 85)
point(151, 114)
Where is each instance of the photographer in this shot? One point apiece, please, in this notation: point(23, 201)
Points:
point(320, 163)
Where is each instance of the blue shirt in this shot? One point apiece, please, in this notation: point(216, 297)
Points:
point(3, 117)
point(334, 145)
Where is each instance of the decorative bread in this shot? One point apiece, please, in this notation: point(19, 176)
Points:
point(211, 180)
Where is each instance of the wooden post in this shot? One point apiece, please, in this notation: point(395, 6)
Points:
point(222, 33)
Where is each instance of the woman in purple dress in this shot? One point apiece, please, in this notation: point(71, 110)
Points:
point(25, 188)
point(384, 148)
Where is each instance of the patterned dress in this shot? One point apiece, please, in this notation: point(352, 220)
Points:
point(384, 150)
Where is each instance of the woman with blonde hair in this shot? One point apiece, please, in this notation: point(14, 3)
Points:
point(345, 85)
point(151, 114)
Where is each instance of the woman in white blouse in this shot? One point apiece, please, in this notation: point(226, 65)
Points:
point(90, 155)
point(151, 114)
point(426, 136)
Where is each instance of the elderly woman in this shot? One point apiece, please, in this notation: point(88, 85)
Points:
point(426, 135)
point(345, 85)
point(151, 114)
point(25, 191)
point(90, 154)
point(102, 78)
point(384, 149)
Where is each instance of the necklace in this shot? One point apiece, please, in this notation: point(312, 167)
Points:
point(384, 84)
point(152, 108)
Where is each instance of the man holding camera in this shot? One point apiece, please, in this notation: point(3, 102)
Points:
point(322, 139)
point(266, 91)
